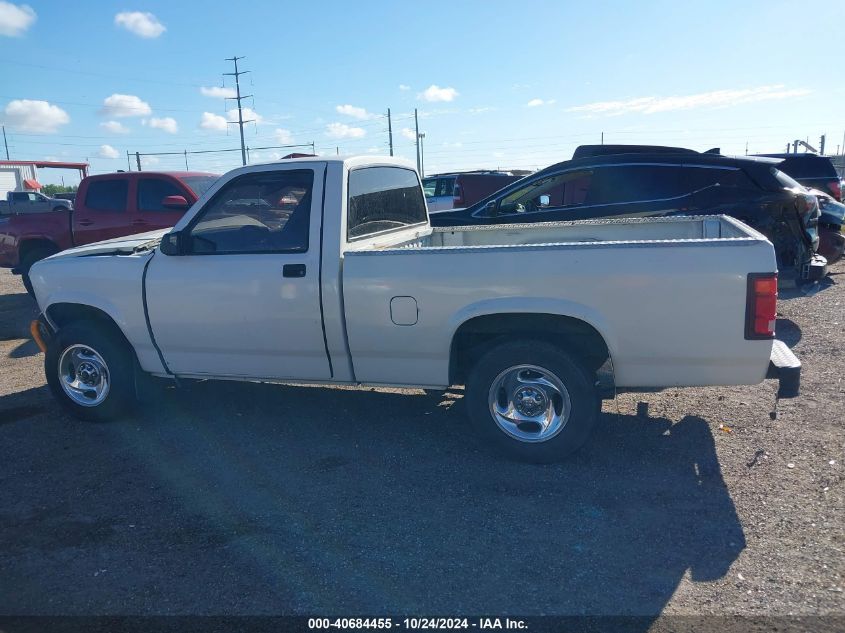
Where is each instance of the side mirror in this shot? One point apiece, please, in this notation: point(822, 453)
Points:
point(178, 203)
point(174, 243)
point(492, 208)
point(545, 200)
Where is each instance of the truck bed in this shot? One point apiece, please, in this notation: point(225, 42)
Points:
point(619, 231)
point(642, 284)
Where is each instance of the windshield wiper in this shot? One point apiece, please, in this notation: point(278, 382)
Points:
point(147, 246)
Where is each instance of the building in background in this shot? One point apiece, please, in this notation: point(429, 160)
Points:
point(22, 175)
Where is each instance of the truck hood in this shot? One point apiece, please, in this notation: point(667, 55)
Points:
point(118, 246)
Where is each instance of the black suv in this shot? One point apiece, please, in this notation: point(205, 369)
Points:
point(811, 170)
point(607, 181)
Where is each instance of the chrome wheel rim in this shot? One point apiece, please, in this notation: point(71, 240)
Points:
point(529, 403)
point(84, 375)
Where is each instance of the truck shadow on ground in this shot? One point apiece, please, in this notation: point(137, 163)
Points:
point(788, 331)
point(348, 501)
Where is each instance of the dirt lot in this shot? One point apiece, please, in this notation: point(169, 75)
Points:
point(254, 499)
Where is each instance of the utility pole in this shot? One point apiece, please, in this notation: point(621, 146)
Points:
point(390, 131)
point(7, 144)
point(821, 144)
point(417, 136)
point(795, 146)
point(422, 155)
point(602, 138)
point(239, 98)
point(138, 160)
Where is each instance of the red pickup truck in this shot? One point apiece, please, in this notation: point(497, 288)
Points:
point(107, 206)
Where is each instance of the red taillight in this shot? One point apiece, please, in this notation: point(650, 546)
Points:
point(458, 195)
point(761, 306)
point(835, 189)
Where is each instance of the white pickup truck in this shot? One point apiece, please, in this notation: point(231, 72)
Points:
point(327, 271)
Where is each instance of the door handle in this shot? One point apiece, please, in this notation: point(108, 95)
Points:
point(85, 222)
point(139, 223)
point(293, 270)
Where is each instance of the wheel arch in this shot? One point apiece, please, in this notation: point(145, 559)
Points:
point(476, 334)
point(63, 313)
point(29, 244)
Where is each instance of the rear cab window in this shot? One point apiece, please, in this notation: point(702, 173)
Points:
point(107, 195)
point(383, 199)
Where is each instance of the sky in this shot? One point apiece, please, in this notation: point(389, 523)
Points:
point(496, 84)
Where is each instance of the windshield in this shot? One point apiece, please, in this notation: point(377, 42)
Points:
point(199, 184)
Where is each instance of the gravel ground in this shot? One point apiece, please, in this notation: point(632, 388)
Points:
point(229, 498)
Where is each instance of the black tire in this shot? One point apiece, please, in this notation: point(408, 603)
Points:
point(119, 360)
point(35, 255)
point(571, 373)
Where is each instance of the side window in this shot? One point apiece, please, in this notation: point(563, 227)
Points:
point(429, 186)
point(445, 187)
point(568, 189)
point(638, 183)
point(20, 197)
point(703, 177)
point(152, 191)
point(264, 212)
point(383, 199)
point(107, 195)
point(34, 197)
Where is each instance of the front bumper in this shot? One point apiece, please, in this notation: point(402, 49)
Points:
point(786, 368)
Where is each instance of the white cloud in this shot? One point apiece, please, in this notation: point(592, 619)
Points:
point(212, 121)
point(107, 151)
point(15, 19)
point(409, 134)
point(218, 92)
point(168, 124)
point(481, 109)
point(538, 102)
point(150, 161)
point(140, 23)
point(34, 116)
point(404, 87)
point(341, 130)
point(115, 127)
point(716, 98)
point(436, 93)
point(283, 137)
point(354, 112)
point(118, 105)
point(248, 114)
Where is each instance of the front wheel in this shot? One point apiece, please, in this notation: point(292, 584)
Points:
point(532, 400)
point(90, 371)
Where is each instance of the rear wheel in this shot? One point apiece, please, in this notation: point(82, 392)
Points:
point(531, 400)
point(35, 255)
point(90, 371)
